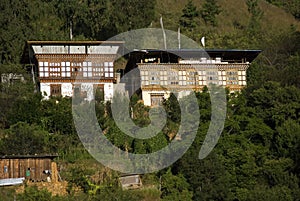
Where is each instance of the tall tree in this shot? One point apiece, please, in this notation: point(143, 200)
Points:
point(256, 14)
point(25, 139)
point(209, 12)
point(187, 19)
point(126, 15)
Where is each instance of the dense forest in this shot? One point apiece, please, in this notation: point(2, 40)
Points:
point(258, 154)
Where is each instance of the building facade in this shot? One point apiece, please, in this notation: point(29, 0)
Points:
point(182, 71)
point(67, 68)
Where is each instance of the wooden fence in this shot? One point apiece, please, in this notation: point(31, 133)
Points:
point(32, 167)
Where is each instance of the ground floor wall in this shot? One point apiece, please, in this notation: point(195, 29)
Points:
point(69, 89)
point(153, 98)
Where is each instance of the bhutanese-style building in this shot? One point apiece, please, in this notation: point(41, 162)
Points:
point(64, 68)
point(163, 72)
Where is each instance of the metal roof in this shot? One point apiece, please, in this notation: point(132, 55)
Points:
point(12, 181)
point(28, 156)
point(73, 42)
point(69, 47)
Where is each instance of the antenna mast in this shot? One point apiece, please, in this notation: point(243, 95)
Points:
point(164, 33)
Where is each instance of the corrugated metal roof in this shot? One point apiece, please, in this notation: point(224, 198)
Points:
point(29, 156)
point(73, 42)
point(75, 47)
point(11, 181)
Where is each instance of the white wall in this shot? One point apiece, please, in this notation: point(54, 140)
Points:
point(66, 89)
point(45, 88)
point(88, 87)
point(182, 94)
point(146, 96)
point(108, 91)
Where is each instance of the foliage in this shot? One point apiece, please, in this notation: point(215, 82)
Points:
point(175, 187)
point(256, 15)
point(209, 12)
point(23, 138)
point(258, 154)
point(291, 6)
point(187, 19)
point(33, 194)
point(7, 193)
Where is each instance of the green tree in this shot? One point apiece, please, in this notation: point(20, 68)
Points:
point(25, 139)
point(175, 187)
point(172, 108)
point(187, 19)
point(12, 95)
point(34, 194)
point(256, 14)
point(126, 15)
point(209, 12)
point(56, 115)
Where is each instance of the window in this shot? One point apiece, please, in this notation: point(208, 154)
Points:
point(108, 69)
point(87, 69)
point(202, 77)
point(55, 90)
point(43, 69)
point(65, 69)
point(98, 70)
point(163, 78)
point(154, 77)
point(232, 78)
point(182, 77)
point(156, 99)
point(54, 69)
point(212, 77)
point(76, 69)
point(5, 169)
point(191, 78)
point(222, 77)
point(144, 77)
point(172, 78)
point(242, 78)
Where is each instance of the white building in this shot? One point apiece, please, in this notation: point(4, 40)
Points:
point(67, 68)
point(182, 71)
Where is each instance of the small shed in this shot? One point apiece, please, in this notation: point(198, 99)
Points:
point(130, 181)
point(32, 167)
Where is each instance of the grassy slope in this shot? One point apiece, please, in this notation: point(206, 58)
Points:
point(274, 18)
point(233, 12)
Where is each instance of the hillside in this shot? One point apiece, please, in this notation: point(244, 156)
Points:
point(233, 11)
point(258, 153)
point(233, 18)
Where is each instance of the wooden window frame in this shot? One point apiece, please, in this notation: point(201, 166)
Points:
point(55, 90)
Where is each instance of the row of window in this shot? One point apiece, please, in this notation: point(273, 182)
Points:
point(201, 83)
point(182, 77)
point(73, 69)
point(55, 90)
point(191, 73)
point(79, 64)
point(201, 78)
